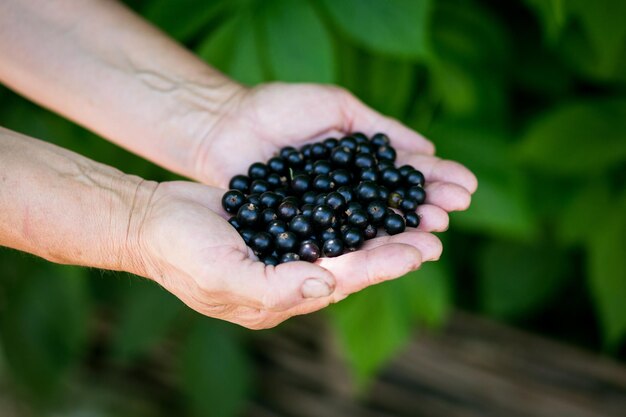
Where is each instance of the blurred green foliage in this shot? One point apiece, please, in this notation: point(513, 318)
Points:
point(531, 95)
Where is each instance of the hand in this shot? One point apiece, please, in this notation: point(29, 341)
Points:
point(257, 122)
point(190, 249)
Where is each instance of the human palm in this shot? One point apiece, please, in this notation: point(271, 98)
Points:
point(260, 121)
point(192, 251)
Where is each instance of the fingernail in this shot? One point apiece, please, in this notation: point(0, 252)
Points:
point(315, 288)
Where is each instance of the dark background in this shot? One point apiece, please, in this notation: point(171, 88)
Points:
point(528, 94)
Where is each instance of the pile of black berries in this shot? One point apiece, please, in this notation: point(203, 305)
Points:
point(324, 199)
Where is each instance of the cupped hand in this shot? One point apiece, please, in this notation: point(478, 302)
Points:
point(257, 122)
point(189, 248)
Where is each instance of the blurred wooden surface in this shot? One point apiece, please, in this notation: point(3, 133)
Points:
point(474, 367)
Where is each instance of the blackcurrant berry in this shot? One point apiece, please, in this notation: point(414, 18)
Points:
point(335, 201)
point(259, 186)
point(405, 170)
point(309, 197)
point(300, 183)
point(342, 156)
point(270, 199)
point(394, 200)
point(249, 214)
point(331, 143)
point(377, 211)
point(268, 215)
point(384, 164)
point(341, 177)
point(408, 205)
point(309, 251)
point(394, 224)
point(306, 151)
point(307, 210)
point(370, 174)
point(286, 151)
point(322, 183)
point(417, 193)
point(275, 180)
point(380, 139)
point(301, 226)
point(276, 227)
point(391, 177)
point(322, 167)
point(370, 231)
point(278, 165)
point(387, 153)
point(232, 200)
point(360, 138)
point(262, 243)
point(254, 199)
point(353, 206)
point(234, 223)
point(353, 237)
point(332, 248)
point(367, 191)
point(258, 171)
point(347, 193)
point(323, 216)
point(328, 234)
point(246, 235)
point(412, 219)
point(358, 218)
point(287, 210)
point(286, 242)
point(295, 160)
point(270, 260)
point(415, 177)
point(348, 142)
point(319, 151)
point(240, 182)
point(364, 160)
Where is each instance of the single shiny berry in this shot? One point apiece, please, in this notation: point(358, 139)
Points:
point(335, 201)
point(391, 177)
point(353, 237)
point(352, 206)
point(415, 177)
point(323, 216)
point(370, 231)
point(380, 139)
point(405, 170)
point(258, 171)
point(376, 211)
point(282, 191)
point(367, 191)
point(394, 200)
point(286, 242)
point(360, 138)
point(332, 248)
point(322, 183)
point(270, 199)
point(249, 214)
point(394, 224)
point(306, 151)
point(364, 160)
point(319, 151)
point(309, 251)
point(386, 153)
point(300, 183)
point(259, 186)
point(295, 160)
point(412, 219)
point(287, 210)
point(322, 167)
point(408, 205)
point(341, 156)
point(240, 182)
point(268, 215)
point(384, 164)
point(348, 142)
point(309, 197)
point(276, 227)
point(358, 218)
point(366, 148)
point(262, 243)
point(286, 151)
point(347, 193)
point(341, 177)
point(331, 143)
point(417, 193)
point(275, 180)
point(278, 165)
point(301, 226)
point(289, 257)
point(308, 166)
point(232, 200)
point(383, 193)
point(321, 199)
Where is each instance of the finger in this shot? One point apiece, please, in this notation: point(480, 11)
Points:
point(437, 169)
point(281, 287)
point(448, 196)
point(427, 244)
point(364, 119)
point(360, 269)
point(432, 218)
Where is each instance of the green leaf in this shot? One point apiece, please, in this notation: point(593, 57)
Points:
point(390, 27)
point(430, 293)
point(43, 324)
point(372, 325)
point(298, 45)
point(500, 205)
point(607, 272)
point(182, 19)
point(516, 279)
point(217, 373)
point(146, 315)
point(552, 14)
point(391, 98)
point(233, 48)
point(577, 139)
